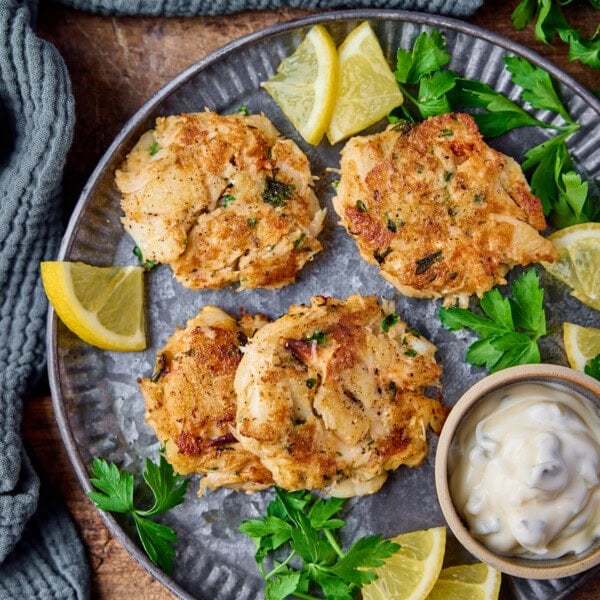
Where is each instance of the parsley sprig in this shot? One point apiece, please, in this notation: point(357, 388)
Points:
point(509, 328)
point(553, 178)
point(298, 535)
point(432, 90)
point(115, 494)
point(550, 21)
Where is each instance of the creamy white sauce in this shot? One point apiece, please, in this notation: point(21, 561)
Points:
point(524, 471)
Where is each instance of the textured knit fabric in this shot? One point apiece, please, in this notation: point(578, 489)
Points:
point(41, 557)
point(186, 8)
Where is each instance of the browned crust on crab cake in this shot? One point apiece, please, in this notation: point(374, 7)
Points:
point(222, 199)
point(440, 212)
point(331, 399)
point(191, 404)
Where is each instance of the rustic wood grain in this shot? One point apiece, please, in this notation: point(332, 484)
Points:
point(115, 65)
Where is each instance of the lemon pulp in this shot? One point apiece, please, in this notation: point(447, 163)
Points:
point(581, 344)
point(305, 85)
point(104, 306)
point(467, 582)
point(368, 90)
point(578, 265)
point(411, 572)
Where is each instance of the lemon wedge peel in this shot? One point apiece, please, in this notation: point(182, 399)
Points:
point(368, 90)
point(411, 572)
point(306, 84)
point(476, 581)
point(578, 264)
point(104, 306)
point(581, 344)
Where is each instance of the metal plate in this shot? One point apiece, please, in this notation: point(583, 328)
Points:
point(98, 405)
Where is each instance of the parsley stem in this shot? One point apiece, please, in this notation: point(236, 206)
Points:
point(304, 596)
point(331, 539)
point(413, 100)
point(280, 566)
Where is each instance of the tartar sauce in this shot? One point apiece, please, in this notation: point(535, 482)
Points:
point(524, 471)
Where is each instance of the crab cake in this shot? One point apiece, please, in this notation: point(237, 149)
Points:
point(331, 395)
point(222, 199)
point(440, 212)
point(191, 405)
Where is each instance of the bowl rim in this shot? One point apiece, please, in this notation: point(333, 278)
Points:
point(465, 403)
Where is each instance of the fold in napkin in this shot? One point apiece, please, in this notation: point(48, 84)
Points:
point(41, 556)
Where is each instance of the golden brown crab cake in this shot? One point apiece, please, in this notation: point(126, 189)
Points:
point(191, 405)
point(331, 396)
point(222, 199)
point(440, 212)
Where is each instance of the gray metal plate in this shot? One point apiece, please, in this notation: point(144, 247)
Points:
point(98, 405)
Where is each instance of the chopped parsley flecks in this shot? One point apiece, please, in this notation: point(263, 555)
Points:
point(381, 256)
point(227, 199)
point(389, 321)
point(423, 264)
point(317, 336)
point(159, 367)
point(146, 264)
point(299, 240)
point(277, 193)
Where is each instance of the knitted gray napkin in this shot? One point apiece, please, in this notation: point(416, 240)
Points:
point(186, 8)
point(41, 556)
point(40, 553)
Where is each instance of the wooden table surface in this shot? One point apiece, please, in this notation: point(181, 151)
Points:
point(115, 65)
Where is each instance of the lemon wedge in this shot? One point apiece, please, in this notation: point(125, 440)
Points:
point(104, 306)
point(467, 582)
point(411, 572)
point(581, 344)
point(305, 85)
point(368, 89)
point(578, 265)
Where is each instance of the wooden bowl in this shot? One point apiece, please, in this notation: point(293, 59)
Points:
point(519, 566)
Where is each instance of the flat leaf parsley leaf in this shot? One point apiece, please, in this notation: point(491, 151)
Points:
point(432, 90)
point(537, 86)
point(419, 76)
point(550, 21)
point(115, 494)
point(510, 328)
point(300, 528)
point(501, 114)
point(428, 54)
point(592, 367)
